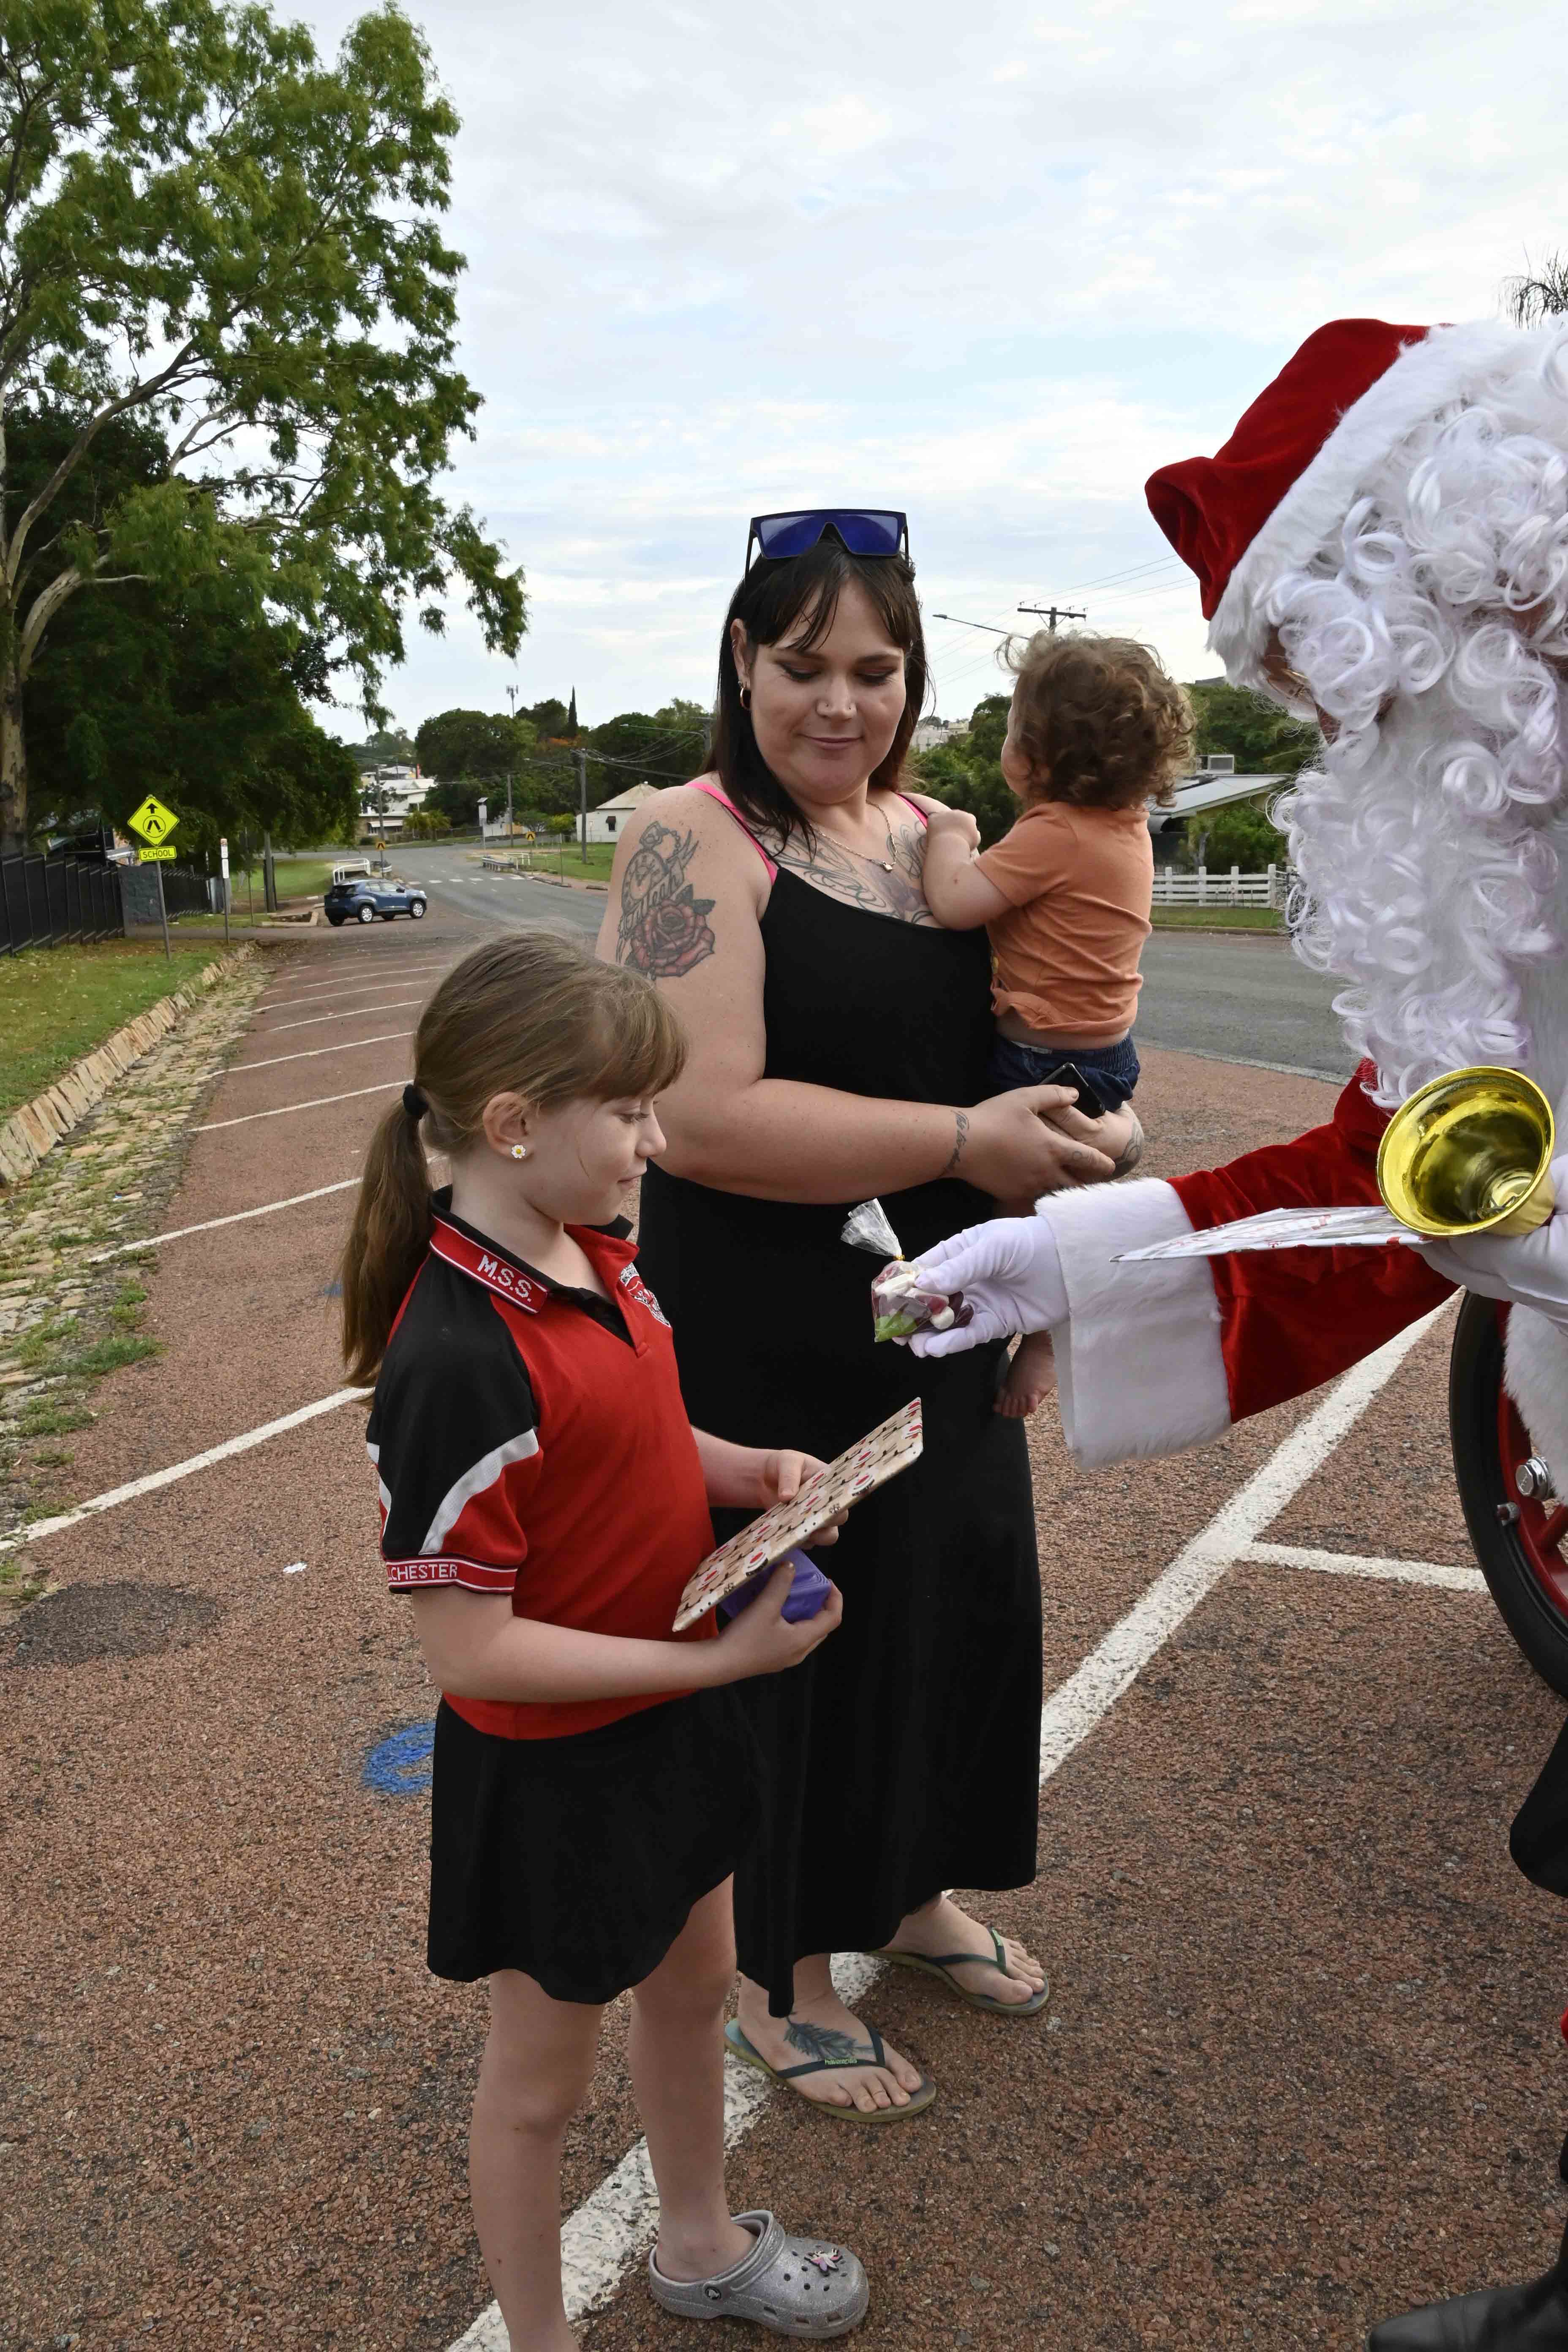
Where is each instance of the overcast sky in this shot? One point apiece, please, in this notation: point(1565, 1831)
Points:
point(989, 265)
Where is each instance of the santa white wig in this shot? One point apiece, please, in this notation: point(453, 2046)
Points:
point(1431, 629)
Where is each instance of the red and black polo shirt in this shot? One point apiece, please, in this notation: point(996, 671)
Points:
point(530, 1439)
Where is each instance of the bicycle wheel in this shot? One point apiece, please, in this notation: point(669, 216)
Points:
point(1519, 1538)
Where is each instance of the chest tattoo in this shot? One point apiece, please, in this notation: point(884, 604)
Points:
point(862, 881)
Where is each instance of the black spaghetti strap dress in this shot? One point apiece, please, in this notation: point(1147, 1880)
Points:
point(903, 1756)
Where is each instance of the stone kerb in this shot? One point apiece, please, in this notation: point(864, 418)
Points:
point(28, 1133)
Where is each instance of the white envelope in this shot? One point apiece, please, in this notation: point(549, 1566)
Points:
point(1276, 1229)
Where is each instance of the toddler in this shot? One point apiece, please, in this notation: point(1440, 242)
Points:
point(1096, 731)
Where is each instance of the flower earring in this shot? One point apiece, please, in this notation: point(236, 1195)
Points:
point(520, 1151)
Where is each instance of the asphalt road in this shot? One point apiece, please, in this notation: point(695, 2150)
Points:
point(1300, 2068)
point(459, 885)
point(1240, 997)
point(1233, 997)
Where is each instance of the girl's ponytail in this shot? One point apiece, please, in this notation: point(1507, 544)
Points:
point(386, 1242)
point(529, 1014)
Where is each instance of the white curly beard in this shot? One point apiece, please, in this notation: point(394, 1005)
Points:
point(1431, 844)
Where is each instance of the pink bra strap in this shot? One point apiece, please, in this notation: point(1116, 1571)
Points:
point(909, 803)
point(714, 793)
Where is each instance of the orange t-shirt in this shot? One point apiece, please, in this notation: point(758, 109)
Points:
point(1080, 883)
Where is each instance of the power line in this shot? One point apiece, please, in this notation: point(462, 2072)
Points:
point(962, 623)
point(1109, 579)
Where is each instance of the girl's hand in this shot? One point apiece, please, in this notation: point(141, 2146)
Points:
point(780, 1477)
point(761, 1640)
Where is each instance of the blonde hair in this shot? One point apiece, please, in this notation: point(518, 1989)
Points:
point(530, 1016)
point(1100, 719)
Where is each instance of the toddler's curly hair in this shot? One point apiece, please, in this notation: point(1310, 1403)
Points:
point(1099, 720)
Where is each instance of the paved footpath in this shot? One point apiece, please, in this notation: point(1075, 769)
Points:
point(1300, 2065)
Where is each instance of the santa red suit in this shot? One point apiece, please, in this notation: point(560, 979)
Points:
point(1384, 542)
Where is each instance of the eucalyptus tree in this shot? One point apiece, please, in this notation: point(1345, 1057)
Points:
point(206, 225)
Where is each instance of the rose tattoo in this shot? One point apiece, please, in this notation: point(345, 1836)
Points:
point(663, 928)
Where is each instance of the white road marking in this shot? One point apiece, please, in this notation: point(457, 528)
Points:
point(1349, 1563)
point(313, 1053)
point(354, 1013)
point(269, 1209)
point(617, 2221)
point(176, 1470)
point(1089, 1693)
point(382, 1087)
point(349, 988)
point(617, 2224)
point(610, 2228)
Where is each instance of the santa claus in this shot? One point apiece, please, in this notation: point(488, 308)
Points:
point(1382, 543)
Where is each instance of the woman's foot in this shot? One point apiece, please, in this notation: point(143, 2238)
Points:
point(941, 1928)
point(1031, 1377)
point(825, 2029)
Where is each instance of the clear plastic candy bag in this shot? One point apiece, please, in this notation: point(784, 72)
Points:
point(900, 1304)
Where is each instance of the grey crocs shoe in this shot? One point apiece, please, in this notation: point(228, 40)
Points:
point(796, 2286)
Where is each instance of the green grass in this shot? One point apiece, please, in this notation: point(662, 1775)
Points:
point(545, 858)
point(298, 877)
point(57, 1003)
point(1217, 919)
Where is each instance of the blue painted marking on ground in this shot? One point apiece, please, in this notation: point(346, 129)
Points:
point(402, 1765)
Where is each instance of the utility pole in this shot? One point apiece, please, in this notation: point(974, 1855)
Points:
point(269, 875)
point(580, 761)
point(1052, 614)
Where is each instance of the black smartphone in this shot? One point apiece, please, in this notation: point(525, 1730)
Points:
point(1067, 1073)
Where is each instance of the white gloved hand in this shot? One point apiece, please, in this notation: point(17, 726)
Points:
point(1008, 1271)
point(1528, 1270)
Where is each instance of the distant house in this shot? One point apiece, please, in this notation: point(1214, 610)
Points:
point(609, 820)
point(930, 733)
point(385, 796)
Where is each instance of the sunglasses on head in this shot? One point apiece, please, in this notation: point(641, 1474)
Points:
point(862, 531)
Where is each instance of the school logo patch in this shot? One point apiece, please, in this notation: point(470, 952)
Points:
point(632, 1281)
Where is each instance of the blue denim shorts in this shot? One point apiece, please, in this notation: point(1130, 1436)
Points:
point(1111, 1070)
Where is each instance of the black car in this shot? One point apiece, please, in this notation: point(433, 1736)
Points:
point(369, 896)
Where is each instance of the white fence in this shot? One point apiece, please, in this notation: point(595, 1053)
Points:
point(1219, 888)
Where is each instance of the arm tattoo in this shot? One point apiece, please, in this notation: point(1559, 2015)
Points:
point(664, 929)
point(960, 1138)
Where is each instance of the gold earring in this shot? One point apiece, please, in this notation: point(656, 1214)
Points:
point(520, 1151)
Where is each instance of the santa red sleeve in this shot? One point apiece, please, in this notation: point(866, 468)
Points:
point(1156, 1357)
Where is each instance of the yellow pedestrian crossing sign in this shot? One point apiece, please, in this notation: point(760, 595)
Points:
point(153, 820)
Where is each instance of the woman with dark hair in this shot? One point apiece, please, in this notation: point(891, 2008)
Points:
point(839, 1040)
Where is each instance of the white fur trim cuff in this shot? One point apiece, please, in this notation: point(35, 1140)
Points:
point(1537, 1379)
point(1139, 1370)
point(1450, 363)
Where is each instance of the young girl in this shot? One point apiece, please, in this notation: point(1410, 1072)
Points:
point(1096, 731)
point(544, 1499)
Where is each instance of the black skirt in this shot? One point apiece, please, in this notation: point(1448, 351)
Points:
point(904, 1755)
point(578, 1860)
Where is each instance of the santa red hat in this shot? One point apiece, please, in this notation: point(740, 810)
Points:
point(1281, 488)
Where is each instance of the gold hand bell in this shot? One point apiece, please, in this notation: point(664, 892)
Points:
point(1471, 1153)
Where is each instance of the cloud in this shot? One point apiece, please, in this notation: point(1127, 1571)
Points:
point(988, 268)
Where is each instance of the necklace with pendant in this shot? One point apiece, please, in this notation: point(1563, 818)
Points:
point(868, 858)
